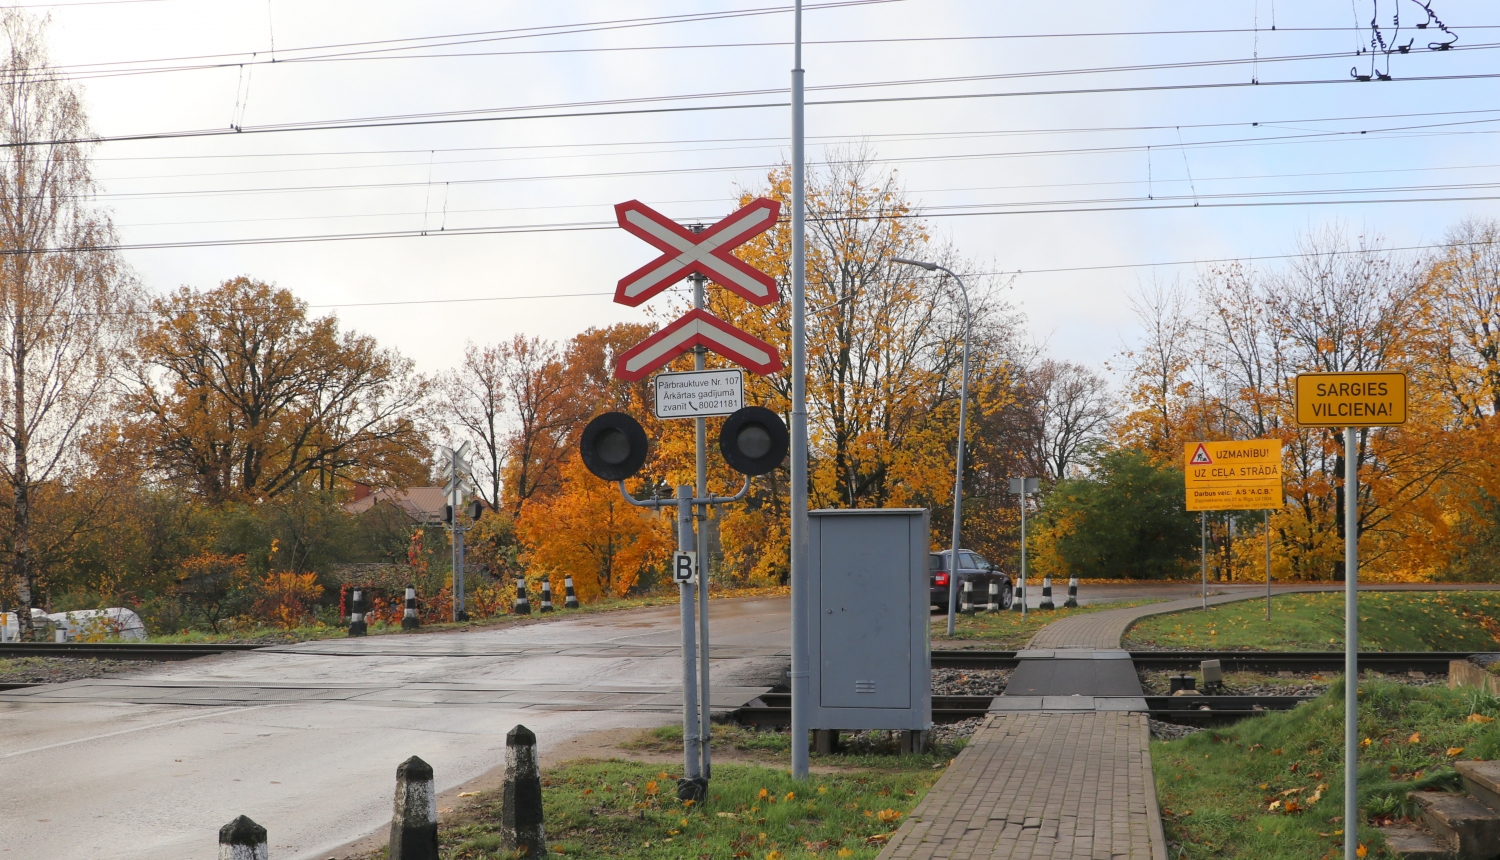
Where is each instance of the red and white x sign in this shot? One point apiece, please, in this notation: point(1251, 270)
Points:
point(697, 328)
point(707, 253)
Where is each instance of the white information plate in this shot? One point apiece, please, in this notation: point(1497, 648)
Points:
point(699, 393)
point(685, 567)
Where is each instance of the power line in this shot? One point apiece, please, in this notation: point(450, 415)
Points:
point(1383, 134)
point(1043, 271)
point(912, 192)
point(586, 226)
point(398, 121)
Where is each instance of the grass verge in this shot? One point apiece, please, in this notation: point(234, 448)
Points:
point(1272, 787)
point(1389, 621)
point(1005, 631)
point(630, 809)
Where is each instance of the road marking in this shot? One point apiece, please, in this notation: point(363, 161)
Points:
point(130, 731)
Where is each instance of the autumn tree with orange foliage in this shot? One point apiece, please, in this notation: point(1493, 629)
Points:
point(1220, 363)
point(238, 395)
point(588, 532)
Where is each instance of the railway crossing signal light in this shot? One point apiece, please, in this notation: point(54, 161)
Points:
point(613, 446)
point(754, 440)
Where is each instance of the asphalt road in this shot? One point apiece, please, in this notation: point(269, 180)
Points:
point(305, 739)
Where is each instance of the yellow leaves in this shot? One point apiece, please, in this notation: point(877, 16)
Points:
point(845, 853)
point(651, 788)
point(888, 816)
point(1479, 718)
point(1453, 751)
point(1365, 742)
point(774, 855)
point(1416, 738)
point(763, 795)
point(791, 795)
point(726, 815)
point(1361, 851)
point(822, 789)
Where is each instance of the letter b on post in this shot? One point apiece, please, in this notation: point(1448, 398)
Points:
point(685, 567)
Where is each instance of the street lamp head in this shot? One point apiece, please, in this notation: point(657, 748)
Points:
point(931, 267)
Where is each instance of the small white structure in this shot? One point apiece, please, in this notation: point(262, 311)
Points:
point(87, 624)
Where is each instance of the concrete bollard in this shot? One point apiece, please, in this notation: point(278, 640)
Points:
point(414, 821)
point(994, 604)
point(570, 600)
point(521, 805)
point(1018, 603)
point(546, 594)
point(409, 619)
point(357, 626)
point(1046, 594)
point(243, 839)
point(966, 598)
point(1072, 601)
point(523, 606)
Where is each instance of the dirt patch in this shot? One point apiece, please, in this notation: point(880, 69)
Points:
point(56, 670)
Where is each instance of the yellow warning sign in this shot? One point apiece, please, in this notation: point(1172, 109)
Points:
point(1372, 399)
point(1233, 475)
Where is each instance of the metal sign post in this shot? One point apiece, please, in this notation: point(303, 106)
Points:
point(698, 254)
point(456, 472)
point(1021, 487)
point(801, 600)
point(1351, 401)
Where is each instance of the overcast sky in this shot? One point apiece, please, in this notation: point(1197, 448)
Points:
point(1145, 145)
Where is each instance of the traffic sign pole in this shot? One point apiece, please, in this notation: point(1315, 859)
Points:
point(1351, 645)
point(801, 690)
point(692, 784)
point(1203, 523)
point(1268, 565)
point(701, 427)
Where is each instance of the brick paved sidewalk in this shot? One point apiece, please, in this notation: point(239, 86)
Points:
point(1036, 785)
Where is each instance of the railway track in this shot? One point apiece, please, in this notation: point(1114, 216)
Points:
point(123, 650)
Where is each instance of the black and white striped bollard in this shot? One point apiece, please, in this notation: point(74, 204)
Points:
point(994, 604)
point(1018, 603)
point(546, 594)
point(357, 626)
point(243, 839)
point(409, 619)
point(1072, 601)
point(414, 822)
point(521, 801)
point(522, 606)
point(966, 600)
point(1046, 594)
point(570, 600)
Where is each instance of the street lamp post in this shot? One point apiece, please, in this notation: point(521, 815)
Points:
point(963, 407)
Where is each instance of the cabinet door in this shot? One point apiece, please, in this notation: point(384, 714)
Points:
point(866, 612)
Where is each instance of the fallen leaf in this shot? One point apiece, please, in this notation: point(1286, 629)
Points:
point(878, 839)
point(1365, 742)
point(651, 787)
point(1275, 805)
point(846, 852)
point(1361, 851)
point(1453, 751)
point(1290, 791)
point(468, 794)
point(1416, 738)
point(1479, 718)
point(888, 815)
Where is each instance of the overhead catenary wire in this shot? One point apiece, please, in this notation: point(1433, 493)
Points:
point(1003, 272)
point(517, 114)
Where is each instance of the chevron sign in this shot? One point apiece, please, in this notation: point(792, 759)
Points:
point(708, 254)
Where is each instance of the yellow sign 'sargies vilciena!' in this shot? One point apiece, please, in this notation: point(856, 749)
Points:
point(1364, 399)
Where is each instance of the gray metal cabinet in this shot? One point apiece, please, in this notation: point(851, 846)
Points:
point(871, 656)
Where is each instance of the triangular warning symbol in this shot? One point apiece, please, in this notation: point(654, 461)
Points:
point(1200, 457)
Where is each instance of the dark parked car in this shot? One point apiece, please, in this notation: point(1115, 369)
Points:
point(971, 568)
